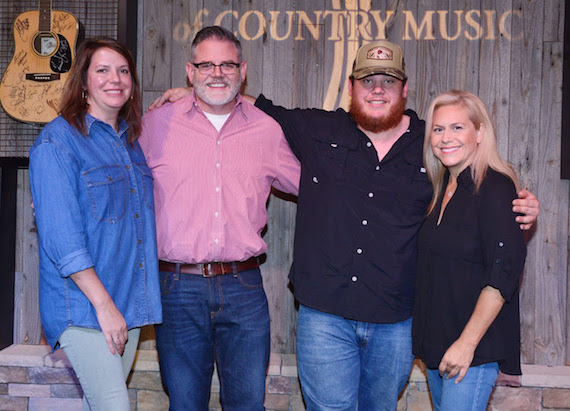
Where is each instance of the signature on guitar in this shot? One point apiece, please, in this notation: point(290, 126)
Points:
point(32, 85)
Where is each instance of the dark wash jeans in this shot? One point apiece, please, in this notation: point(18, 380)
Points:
point(223, 319)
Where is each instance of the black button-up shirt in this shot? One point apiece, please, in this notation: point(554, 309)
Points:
point(357, 217)
point(477, 243)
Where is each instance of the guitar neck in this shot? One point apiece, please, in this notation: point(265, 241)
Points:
point(45, 16)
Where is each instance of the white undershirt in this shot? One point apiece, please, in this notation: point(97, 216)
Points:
point(217, 120)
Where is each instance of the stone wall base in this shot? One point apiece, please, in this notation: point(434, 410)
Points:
point(31, 378)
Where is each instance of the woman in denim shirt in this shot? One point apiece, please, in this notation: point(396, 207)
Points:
point(93, 199)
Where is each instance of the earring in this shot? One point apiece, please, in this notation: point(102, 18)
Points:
point(84, 94)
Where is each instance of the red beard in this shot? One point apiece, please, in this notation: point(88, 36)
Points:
point(375, 124)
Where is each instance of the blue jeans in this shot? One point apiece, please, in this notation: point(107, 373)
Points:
point(102, 375)
point(471, 394)
point(223, 319)
point(348, 365)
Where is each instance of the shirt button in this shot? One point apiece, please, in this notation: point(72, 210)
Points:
point(140, 242)
point(109, 178)
point(216, 241)
point(217, 165)
point(501, 244)
point(315, 180)
point(364, 222)
point(219, 142)
point(370, 195)
point(132, 190)
point(359, 251)
point(377, 168)
point(408, 130)
point(127, 167)
point(217, 189)
point(140, 265)
point(216, 214)
point(136, 216)
point(369, 144)
point(354, 278)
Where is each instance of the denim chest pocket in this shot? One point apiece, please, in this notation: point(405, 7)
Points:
point(147, 184)
point(107, 189)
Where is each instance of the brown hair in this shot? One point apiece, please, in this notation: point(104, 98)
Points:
point(74, 106)
point(487, 154)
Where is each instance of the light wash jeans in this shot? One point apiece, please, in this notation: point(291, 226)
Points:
point(102, 375)
point(348, 365)
point(471, 394)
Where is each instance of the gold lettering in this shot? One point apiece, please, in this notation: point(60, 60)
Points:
point(503, 24)
point(490, 15)
point(357, 30)
point(426, 24)
point(220, 17)
point(261, 24)
point(273, 25)
point(336, 24)
point(473, 23)
point(381, 35)
point(199, 21)
point(313, 28)
point(443, 24)
point(181, 32)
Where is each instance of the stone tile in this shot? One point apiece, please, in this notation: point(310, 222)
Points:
point(57, 359)
point(29, 390)
point(3, 389)
point(132, 399)
point(215, 387)
point(544, 376)
point(50, 375)
point(56, 404)
point(152, 401)
point(276, 402)
point(556, 397)
point(24, 355)
point(146, 360)
point(215, 403)
point(417, 399)
point(515, 399)
point(278, 385)
point(297, 403)
point(13, 374)
point(288, 365)
point(13, 404)
point(418, 373)
point(66, 391)
point(274, 364)
point(145, 380)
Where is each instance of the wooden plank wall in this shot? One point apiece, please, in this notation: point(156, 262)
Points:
point(508, 52)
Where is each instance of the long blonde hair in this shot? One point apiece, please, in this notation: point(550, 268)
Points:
point(486, 155)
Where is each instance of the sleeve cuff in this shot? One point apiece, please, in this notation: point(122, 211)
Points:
point(74, 262)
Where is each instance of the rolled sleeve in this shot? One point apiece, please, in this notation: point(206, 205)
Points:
point(54, 180)
point(503, 242)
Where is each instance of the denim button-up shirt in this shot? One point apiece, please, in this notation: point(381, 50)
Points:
point(94, 208)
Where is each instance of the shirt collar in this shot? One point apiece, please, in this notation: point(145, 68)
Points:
point(90, 120)
point(190, 105)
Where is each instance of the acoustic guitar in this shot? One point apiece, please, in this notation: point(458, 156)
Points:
point(45, 40)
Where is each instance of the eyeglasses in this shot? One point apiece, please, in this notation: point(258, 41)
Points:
point(209, 67)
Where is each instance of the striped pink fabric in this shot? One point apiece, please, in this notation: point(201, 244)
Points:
point(210, 187)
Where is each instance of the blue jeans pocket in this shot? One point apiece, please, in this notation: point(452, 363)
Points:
point(250, 279)
point(168, 281)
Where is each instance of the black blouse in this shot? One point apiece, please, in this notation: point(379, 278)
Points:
point(477, 244)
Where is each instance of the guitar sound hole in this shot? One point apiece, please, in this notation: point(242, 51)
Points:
point(45, 43)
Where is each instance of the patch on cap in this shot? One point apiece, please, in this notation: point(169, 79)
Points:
point(380, 53)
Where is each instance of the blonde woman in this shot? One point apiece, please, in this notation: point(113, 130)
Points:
point(471, 254)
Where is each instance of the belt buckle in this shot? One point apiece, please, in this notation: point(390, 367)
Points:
point(206, 271)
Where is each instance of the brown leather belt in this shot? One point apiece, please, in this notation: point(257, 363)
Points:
point(210, 269)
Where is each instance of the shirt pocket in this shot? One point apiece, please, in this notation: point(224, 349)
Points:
point(145, 175)
point(332, 157)
point(107, 189)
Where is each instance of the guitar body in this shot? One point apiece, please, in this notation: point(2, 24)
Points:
point(32, 85)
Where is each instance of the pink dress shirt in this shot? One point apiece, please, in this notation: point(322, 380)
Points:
point(210, 187)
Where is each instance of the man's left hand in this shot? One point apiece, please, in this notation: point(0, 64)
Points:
point(528, 205)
